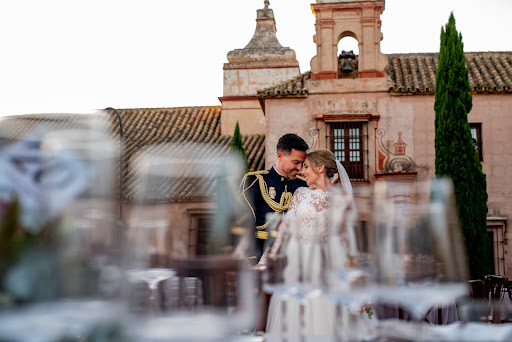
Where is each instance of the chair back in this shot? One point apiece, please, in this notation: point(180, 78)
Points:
point(486, 300)
point(183, 292)
point(509, 290)
point(494, 287)
point(217, 277)
point(385, 310)
point(476, 289)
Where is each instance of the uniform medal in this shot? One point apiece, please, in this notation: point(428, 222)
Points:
point(272, 192)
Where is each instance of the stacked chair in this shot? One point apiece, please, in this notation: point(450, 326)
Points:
point(490, 292)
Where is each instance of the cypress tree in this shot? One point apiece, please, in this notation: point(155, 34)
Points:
point(456, 157)
point(237, 146)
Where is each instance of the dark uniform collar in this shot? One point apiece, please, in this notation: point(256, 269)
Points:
point(277, 174)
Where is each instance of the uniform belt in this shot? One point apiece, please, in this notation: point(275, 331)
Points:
point(264, 235)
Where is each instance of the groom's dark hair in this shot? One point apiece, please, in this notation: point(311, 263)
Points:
point(291, 141)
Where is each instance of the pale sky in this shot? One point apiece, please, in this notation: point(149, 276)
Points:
point(80, 56)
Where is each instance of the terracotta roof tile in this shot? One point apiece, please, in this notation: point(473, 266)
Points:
point(146, 127)
point(184, 185)
point(12, 128)
point(489, 72)
point(295, 87)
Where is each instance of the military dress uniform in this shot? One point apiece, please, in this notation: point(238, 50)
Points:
point(267, 192)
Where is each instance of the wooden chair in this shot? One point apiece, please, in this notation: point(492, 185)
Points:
point(216, 277)
point(183, 293)
point(437, 312)
point(475, 293)
point(494, 290)
point(494, 287)
point(385, 310)
point(509, 291)
point(485, 300)
point(476, 289)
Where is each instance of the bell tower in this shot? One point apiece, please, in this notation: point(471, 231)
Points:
point(262, 63)
point(336, 19)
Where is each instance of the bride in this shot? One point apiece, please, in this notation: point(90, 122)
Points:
point(306, 222)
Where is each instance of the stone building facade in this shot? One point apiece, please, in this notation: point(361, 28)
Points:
point(387, 101)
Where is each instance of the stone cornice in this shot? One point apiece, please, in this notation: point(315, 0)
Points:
point(348, 116)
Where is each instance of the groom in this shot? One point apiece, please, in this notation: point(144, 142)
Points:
point(271, 191)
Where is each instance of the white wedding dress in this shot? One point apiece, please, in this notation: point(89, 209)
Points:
point(306, 222)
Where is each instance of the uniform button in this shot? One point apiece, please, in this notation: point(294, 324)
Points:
point(282, 179)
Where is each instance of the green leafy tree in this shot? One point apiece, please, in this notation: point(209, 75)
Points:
point(237, 146)
point(456, 157)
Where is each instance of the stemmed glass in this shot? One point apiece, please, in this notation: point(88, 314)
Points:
point(146, 242)
point(348, 275)
point(419, 256)
point(308, 285)
point(69, 262)
point(276, 281)
point(78, 189)
point(294, 275)
point(192, 238)
point(78, 186)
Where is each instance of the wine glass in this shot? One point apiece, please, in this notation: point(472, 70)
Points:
point(348, 276)
point(78, 185)
point(67, 270)
point(207, 292)
point(278, 276)
point(419, 256)
point(294, 275)
point(146, 243)
point(79, 190)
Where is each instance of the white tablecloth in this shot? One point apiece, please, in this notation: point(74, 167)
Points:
point(457, 332)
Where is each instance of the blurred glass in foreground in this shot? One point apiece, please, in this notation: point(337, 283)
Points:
point(186, 258)
point(60, 237)
point(348, 273)
point(419, 257)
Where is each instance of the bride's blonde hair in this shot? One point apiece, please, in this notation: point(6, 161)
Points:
point(324, 157)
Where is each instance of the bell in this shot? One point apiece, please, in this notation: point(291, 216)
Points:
point(347, 67)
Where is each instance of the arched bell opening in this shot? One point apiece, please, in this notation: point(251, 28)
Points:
point(348, 51)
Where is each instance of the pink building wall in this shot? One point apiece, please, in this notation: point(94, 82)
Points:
point(413, 118)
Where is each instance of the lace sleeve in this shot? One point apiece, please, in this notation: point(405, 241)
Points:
point(288, 218)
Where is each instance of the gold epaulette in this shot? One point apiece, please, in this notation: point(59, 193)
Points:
point(301, 178)
point(242, 188)
point(280, 207)
point(254, 173)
